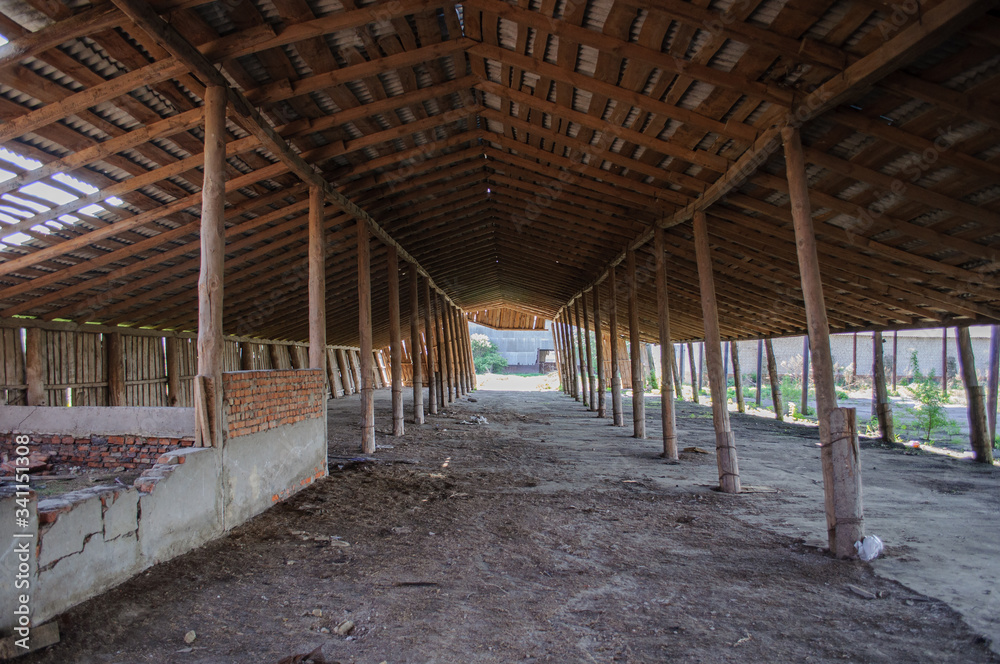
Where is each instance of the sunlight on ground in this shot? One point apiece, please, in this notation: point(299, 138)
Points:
point(514, 383)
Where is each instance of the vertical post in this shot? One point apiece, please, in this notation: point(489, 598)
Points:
point(725, 362)
point(470, 364)
point(331, 372)
point(395, 342)
point(854, 361)
point(673, 371)
point(680, 368)
point(591, 378)
point(667, 415)
point(440, 353)
point(34, 367)
point(208, 384)
point(635, 347)
point(725, 442)
point(895, 347)
point(365, 332)
point(701, 366)
point(416, 348)
point(584, 385)
point(463, 386)
point(944, 361)
point(432, 406)
point(760, 367)
point(982, 446)
point(804, 405)
point(734, 350)
point(346, 376)
point(772, 374)
point(559, 354)
point(883, 408)
point(602, 381)
point(992, 380)
point(116, 369)
point(173, 372)
point(317, 282)
point(618, 417)
point(694, 373)
point(572, 353)
point(246, 355)
point(449, 352)
point(839, 530)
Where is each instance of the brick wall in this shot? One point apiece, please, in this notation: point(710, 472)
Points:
point(256, 401)
point(130, 452)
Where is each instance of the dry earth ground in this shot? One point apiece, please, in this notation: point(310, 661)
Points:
point(549, 536)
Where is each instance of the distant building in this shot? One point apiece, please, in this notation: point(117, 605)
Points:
point(526, 351)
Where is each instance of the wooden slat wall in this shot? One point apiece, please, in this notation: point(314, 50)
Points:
point(76, 366)
point(13, 389)
point(506, 319)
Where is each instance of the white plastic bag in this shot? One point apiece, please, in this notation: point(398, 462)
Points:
point(869, 548)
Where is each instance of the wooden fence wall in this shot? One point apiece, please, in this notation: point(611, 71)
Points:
point(71, 365)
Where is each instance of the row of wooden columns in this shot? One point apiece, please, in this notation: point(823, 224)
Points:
point(838, 435)
point(448, 346)
point(447, 337)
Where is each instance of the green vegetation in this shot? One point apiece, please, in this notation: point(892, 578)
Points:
point(929, 415)
point(485, 355)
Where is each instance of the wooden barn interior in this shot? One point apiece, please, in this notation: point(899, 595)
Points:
point(218, 214)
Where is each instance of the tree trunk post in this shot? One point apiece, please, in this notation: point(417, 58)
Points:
point(667, 415)
point(734, 351)
point(992, 380)
point(846, 477)
point(760, 367)
point(618, 417)
point(451, 391)
point(116, 369)
point(246, 355)
point(173, 372)
point(895, 355)
point(804, 401)
point(559, 354)
point(819, 341)
point(317, 281)
point(573, 353)
point(673, 372)
point(982, 446)
point(584, 384)
point(602, 380)
point(367, 360)
point(591, 378)
point(725, 442)
point(208, 384)
point(944, 361)
point(635, 348)
point(395, 343)
point(694, 373)
point(416, 348)
point(432, 404)
point(883, 407)
point(772, 373)
point(439, 351)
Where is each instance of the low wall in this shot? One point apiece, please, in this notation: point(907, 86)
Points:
point(87, 541)
point(109, 452)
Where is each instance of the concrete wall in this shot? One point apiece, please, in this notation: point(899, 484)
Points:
point(88, 541)
point(519, 347)
point(82, 421)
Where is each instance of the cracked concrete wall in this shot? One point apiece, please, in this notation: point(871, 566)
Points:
point(90, 540)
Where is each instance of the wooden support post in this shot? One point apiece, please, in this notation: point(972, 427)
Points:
point(602, 380)
point(760, 361)
point(581, 360)
point(317, 281)
point(992, 380)
point(346, 375)
point(635, 348)
point(694, 373)
point(395, 343)
point(772, 374)
point(416, 348)
point(819, 337)
point(574, 385)
point(680, 367)
point(332, 372)
point(883, 408)
point(725, 442)
point(725, 363)
point(845, 464)
point(673, 372)
point(116, 369)
point(982, 445)
point(944, 361)
point(438, 352)
point(173, 372)
point(462, 376)
point(701, 366)
point(367, 369)
point(246, 355)
point(618, 417)
point(473, 381)
point(734, 350)
point(895, 354)
point(208, 387)
point(432, 402)
point(854, 361)
point(560, 354)
point(451, 391)
point(804, 405)
point(35, 367)
point(667, 416)
point(591, 378)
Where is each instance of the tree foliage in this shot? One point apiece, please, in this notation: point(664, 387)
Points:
point(485, 355)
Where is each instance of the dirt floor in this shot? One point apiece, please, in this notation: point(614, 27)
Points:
point(547, 535)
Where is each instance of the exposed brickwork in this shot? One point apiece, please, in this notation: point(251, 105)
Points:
point(97, 451)
point(256, 401)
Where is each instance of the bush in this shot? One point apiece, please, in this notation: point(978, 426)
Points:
point(485, 355)
point(929, 413)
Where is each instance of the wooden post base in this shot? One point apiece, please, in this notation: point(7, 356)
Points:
point(845, 488)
